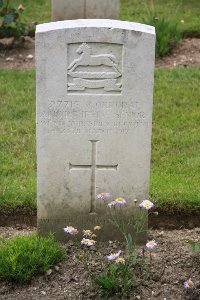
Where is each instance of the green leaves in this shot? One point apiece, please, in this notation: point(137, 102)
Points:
point(195, 246)
point(167, 32)
point(10, 24)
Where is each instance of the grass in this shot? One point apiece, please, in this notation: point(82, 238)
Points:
point(175, 172)
point(17, 152)
point(175, 164)
point(188, 11)
point(22, 257)
point(131, 10)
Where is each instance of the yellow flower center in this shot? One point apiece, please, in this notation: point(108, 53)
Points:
point(120, 259)
point(147, 204)
point(190, 283)
point(120, 199)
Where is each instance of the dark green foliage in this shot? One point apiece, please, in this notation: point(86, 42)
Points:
point(115, 280)
point(167, 32)
point(21, 257)
point(10, 24)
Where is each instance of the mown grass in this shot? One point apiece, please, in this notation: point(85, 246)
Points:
point(175, 174)
point(17, 152)
point(131, 10)
point(185, 13)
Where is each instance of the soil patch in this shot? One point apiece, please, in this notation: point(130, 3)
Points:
point(172, 265)
point(187, 53)
point(176, 220)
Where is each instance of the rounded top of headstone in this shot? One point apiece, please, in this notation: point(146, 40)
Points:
point(95, 23)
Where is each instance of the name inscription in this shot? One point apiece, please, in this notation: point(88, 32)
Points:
point(96, 117)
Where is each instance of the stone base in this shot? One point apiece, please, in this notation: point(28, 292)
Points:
point(107, 232)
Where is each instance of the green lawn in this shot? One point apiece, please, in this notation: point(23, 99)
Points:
point(176, 10)
point(132, 10)
point(175, 174)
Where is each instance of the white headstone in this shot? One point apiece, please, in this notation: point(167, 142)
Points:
point(84, 9)
point(94, 116)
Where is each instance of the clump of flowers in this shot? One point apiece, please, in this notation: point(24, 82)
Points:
point(146, 204)
point(189, 284)
point(71, 230)
point(88, 242)
point(114, 256)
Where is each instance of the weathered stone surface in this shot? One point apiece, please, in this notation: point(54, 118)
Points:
point(94, 115)
point(84, 9)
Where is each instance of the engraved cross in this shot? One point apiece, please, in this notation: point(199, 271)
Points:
point(93, 167)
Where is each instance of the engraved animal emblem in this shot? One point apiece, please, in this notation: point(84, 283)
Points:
point(88, 59)
point(94, 78)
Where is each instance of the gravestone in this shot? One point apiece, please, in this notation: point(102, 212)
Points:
point(94, 116)
point(84, 9)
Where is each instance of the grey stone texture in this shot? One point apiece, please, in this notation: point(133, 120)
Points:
point(84, 9)
point(94, 120)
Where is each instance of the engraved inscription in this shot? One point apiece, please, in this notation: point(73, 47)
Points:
point(94, 72)
point(93, 117)
point(93, 167)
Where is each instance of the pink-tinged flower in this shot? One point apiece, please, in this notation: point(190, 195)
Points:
point(189, 284)
point(151, 244)
point(87, 232)
point(103, 196)
point(97, 227)
point(71, 230)
point(114, 256)
point(120, 201)
point(146, 204)
point(112, 203)
point(88, 242)
point(120, 261)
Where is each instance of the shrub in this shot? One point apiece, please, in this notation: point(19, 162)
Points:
point(167, 32)
point(21, 257)
point(10, 24)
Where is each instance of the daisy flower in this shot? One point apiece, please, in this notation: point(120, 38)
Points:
point(151, 245)
point(189, 284)
point(120, 261)
point(146, 204)
point(120, 201)
point(103, 196)
point(87, 232)
point(71, 230)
